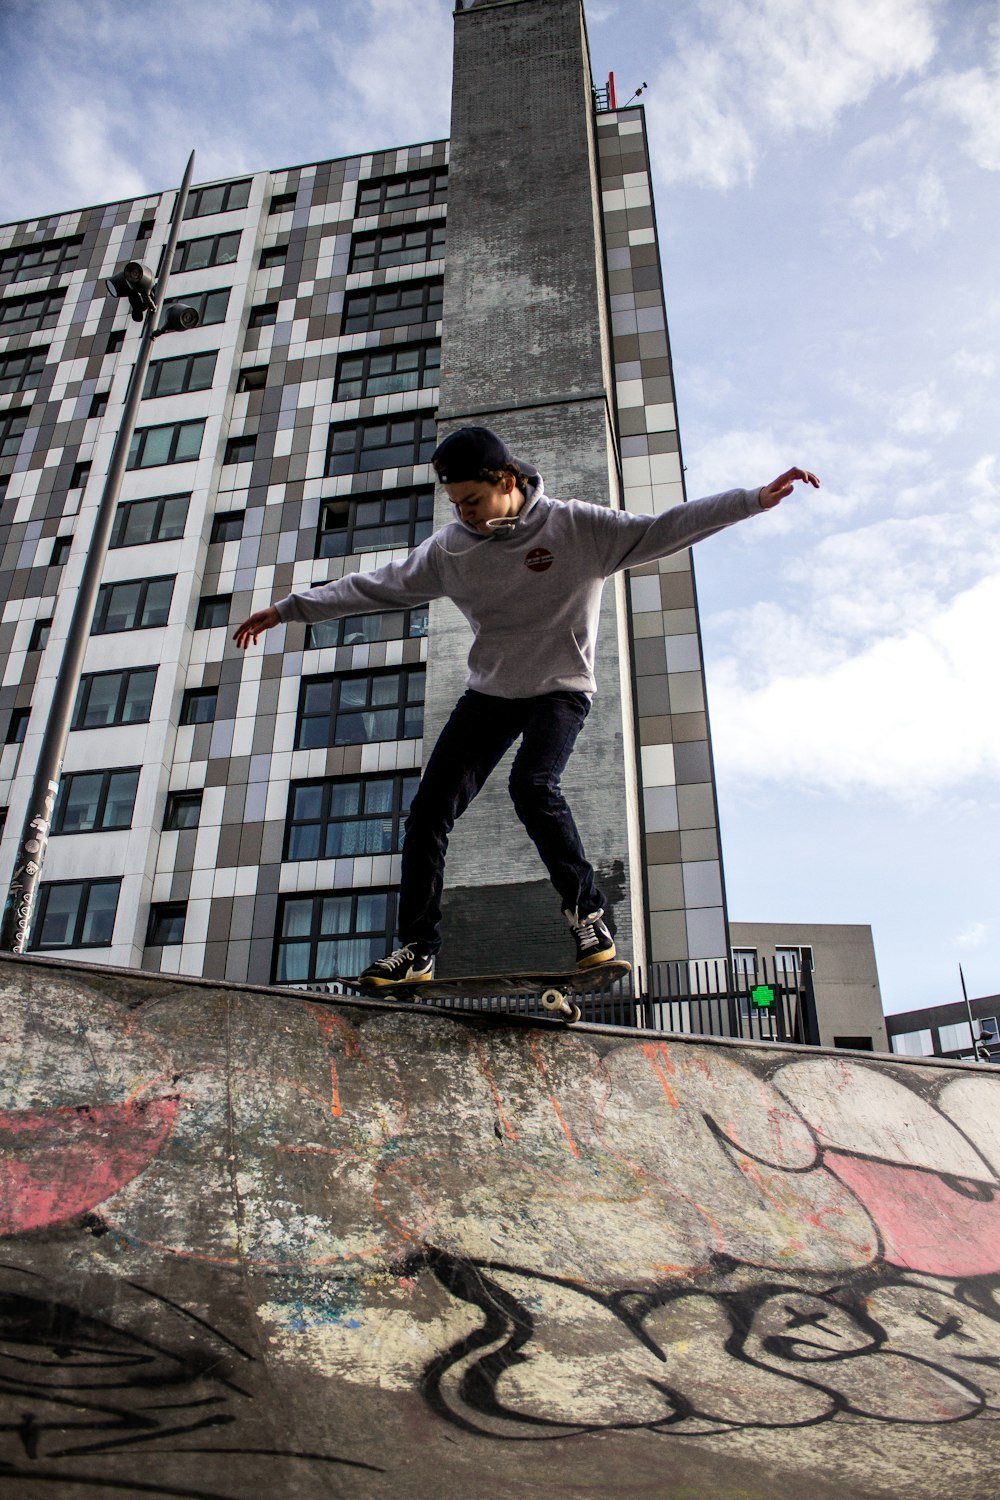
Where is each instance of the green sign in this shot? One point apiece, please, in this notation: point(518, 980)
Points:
point(762, 996)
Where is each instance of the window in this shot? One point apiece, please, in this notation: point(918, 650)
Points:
point(240, 450)
point(369, 524)
point(957, 1038)
point(211, 307)
point(227, 526)
point(336, 819)
point(17, 726)
point(855, 1043)
point(398, 442)
point(361, 708)
point(144, 231)
point(166, 923)
point(80, 476)
point(321, 937)
point(281, 202)
point(183, 810)
point(274, 255)
point(213, 610)
point(40, 634)
point(913, 1044)
point(362, 630)
point(186, 372)
point(31, 261)
point(99, 404)
point(263, 315)
point(383, 372)
point(22, 372)
point(413, 191)
point(212, 250)
point(95, 801)
point(393, 307)
point(792, 960)
point(744, 963)
point(171, 443)
point(75, 914)
point(160, 519)
point(27, 314)
point(254, 379)
point(373, 252)
point(198, 705)
point(109, 698)
point(12, 425)
point(61, 548)
point(222, 198)
point(116, 341)
point(138, 604)
point(988, 1030)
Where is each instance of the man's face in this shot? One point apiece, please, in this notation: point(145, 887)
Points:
point(478, 501)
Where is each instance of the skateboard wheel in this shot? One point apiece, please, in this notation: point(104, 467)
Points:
point(574, 1014)
point(553, 1000)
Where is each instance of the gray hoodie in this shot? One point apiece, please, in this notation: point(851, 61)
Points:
point(531, 592)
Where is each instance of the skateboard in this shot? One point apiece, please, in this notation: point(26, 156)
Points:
point(553, 988)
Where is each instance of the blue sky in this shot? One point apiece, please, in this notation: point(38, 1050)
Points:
point(826, 181)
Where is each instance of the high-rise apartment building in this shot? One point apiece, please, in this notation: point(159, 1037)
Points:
point(239, 816)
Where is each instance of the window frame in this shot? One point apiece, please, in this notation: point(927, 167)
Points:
point(208, 602)
point(362, 313)
point(380, 259)
point(260, 315)
point(199, 301)
point(424, 441)
point(87, 888)
point(165, 911)
point(33, 360)
point(427, 351)
point(154, 376)
point(140, 439)
point(223, 516)
point(339, 627)
point(51, 304)
point(125, 510)
point(375, 939)
point(81, 706)
point(103, 797)
point(192, 696)
point(400, 782)
point(341, 684)
point(182, 253)
point(106, 598)
point(176, 800)
point(17, 726)
point(418, 526)
point(13, 426)
point(68, 250)
point(194, 210)
point(378, 188)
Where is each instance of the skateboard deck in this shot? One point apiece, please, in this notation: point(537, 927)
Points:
point(553, 988)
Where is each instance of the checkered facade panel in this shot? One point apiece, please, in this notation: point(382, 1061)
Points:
point(683, 867)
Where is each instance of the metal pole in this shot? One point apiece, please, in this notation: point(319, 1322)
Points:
point(16, 925)
point(968, 1006)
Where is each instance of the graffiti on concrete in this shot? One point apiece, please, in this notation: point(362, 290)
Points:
point(545, 1233)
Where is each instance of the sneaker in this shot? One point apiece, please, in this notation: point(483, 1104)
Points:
point(402, 966)
point(594, 942)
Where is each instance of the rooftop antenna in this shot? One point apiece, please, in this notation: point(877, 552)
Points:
point(638, 91)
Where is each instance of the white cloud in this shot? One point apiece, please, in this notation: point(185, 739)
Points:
point(908, 717)
point(914, 205)
point(770, 68)
point(972, 100)
point(976, 935)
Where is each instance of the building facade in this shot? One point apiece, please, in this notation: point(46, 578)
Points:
point(840, 958)
point(966, 1030)
point(238, 815)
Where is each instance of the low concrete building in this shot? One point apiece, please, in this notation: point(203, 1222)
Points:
point(844, 973)
point(945, 1030)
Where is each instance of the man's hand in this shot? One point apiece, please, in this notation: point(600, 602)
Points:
point(772, 494)
point(252, 629)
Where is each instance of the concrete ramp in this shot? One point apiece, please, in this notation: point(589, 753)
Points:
point(258, 1244)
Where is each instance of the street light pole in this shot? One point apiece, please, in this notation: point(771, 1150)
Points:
point(16, 924)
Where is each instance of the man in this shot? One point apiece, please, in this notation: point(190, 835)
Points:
point(527, 573)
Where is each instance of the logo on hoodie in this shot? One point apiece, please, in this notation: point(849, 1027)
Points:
point(539, 560)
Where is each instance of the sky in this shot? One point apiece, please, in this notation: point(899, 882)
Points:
point(827, 187)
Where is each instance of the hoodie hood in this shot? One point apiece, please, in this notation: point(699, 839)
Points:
point(534, 490)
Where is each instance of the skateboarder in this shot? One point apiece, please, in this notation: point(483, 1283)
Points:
point(527, 573)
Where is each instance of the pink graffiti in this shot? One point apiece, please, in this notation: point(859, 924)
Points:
point(70, 1159)
point(926, 1222)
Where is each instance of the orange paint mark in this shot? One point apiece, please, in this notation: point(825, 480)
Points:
point(540, 1063)
point(334, 1090)
point(487, 1072)
point(656, 1052)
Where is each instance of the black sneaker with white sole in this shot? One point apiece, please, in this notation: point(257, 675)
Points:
point(594, 942)
point(403, 966)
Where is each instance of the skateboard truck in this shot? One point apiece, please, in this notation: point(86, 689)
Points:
point(553, 999)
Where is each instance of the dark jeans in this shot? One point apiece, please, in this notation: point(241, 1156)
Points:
point(473, 742)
